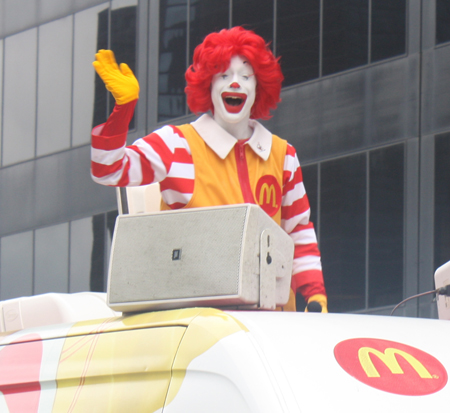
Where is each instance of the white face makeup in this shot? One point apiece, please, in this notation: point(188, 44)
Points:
point(233, 92)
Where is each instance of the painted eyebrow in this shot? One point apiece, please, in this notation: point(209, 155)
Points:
point(247, 63)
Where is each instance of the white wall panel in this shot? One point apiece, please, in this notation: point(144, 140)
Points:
point(19, 104)
point(51, 259)
point(16, 270)
point(54, 86)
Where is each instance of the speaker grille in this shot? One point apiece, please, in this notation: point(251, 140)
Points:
point(177, 255)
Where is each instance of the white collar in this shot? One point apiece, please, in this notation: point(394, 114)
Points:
point(221, 142)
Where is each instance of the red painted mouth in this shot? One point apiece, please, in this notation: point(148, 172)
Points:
point(233, 102)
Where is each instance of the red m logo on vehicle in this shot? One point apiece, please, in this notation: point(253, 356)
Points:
point(390, 366)
point(389, 359)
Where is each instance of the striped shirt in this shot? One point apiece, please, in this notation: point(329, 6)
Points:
point(164, 156)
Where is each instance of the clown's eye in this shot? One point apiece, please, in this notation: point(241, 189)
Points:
point(245, 77)
point(224, 76)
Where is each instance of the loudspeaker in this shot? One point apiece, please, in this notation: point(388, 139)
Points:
point(231, 256)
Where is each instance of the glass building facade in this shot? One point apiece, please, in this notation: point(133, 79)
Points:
point(364, 101)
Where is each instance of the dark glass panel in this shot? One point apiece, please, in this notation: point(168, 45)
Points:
point(172, 59)
point(206, 16)
point(343, 231)
point(103, 229)
point(98, 253)
point(386, 218)
point(442, 21)
point(123, 35)
point(388, 29)
point(101, 94)
point(310, 176)
point(442, 200)
point(255, 15)
point(123, 41)
point(298, 39)
point(345, 35)
point(110, 223)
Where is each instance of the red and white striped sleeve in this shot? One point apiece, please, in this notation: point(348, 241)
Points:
point(307, 275)
point(163, 156)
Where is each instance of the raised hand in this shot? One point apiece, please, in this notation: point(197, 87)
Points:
point(119, 80)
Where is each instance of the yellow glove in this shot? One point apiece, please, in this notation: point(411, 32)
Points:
point(120, 81)
point(321, 299)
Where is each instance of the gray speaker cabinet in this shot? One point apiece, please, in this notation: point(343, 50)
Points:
point(232, 256)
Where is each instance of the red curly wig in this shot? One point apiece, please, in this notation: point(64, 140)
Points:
point(213, 56)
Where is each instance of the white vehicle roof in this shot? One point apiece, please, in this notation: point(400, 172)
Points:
point(317, 360)
point(251, 361)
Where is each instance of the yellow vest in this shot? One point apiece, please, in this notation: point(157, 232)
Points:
point(217, 181)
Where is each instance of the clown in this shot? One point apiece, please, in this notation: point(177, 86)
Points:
point(224, 158)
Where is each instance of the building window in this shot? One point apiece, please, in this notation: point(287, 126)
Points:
point(359, 201)
point(176, 47)
point(89, 96)
point(343, 231)
point(298, 39)
point(116, 31)
point(123, 38)
point(442, 200)
point(442, 21)
point(101, 95)
point(345, 35)
point(206, 16)
point(102, 231)
point(386, 205)
point(311, 182)
point(255, 15)
point(314, 38)
point(172, 59)
point(388, 29)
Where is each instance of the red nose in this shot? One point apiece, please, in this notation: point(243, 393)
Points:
point(235, 85)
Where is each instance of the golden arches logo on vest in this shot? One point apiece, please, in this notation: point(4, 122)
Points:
point(268, 194)
point(390, 366)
